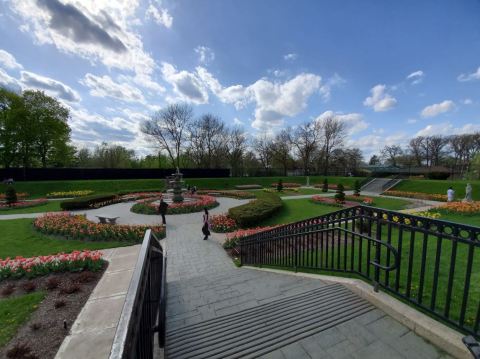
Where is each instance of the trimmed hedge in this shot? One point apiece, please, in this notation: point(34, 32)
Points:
point(86, 202)
point(248, 186)
point(254, 212)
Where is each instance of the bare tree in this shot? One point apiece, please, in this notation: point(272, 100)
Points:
point(208, 141)
point(435, 145)
point(281, 148)
point(263, 148)
point(236, 145)
point(305, 141)
point(168, 129)
point(415, 146)
point(391, 153)
point(333, 135)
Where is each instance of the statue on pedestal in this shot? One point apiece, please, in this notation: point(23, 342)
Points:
point(468, 193)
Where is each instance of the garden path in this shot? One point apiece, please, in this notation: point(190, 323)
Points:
point(203, 283)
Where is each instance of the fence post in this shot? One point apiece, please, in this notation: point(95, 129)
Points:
point(378, 236)
point(295, 251)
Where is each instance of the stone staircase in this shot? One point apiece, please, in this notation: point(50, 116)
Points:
point(260, 330)
point(380, 185)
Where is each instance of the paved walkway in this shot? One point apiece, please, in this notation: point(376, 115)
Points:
point(203, 283)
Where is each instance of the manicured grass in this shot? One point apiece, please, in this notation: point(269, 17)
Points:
point(301, 192)
point(473, 220)
point(438, 186)
point(41, 188)
point(19, 238)
point(294, 210)
point(50, 206)
point(16, 311)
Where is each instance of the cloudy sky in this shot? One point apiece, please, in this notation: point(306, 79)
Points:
point(390, 69)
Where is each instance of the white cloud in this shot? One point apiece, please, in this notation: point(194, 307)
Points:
point(290, 57)
point(447, 129)
point(469, 77)
point(104, 86)
point(187, 85)
point(334, 81)
point(380, 100)
point(237, 122)
point(416, 77)
point(8, 61)
point(161, 16)
point(49, 85)
point(205, 54)
point(373, 143)
point(411, 121)
point(98, 31)
point(467, 101)
point(9, 82)
point(438, 108)
point(353, 122)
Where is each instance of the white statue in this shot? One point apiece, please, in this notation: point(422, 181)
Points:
point(468, 193)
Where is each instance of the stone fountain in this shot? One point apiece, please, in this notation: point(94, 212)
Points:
point(177, 185)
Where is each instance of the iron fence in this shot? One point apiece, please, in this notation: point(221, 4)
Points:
point(143, 313)
point(431, 264)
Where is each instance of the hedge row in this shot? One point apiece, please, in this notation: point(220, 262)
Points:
point(86, 202)
point(254, 212)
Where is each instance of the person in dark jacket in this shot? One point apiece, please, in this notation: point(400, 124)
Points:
point(162, 210)
point(206, 225)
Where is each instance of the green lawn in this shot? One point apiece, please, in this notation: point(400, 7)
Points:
point(19, 238)
point(50, 206)
point(294, 210)
point(438, 186)
point(473, 220)
point(16, 311)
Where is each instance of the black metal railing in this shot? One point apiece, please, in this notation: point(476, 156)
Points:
point(143, 313)
point(432, 264)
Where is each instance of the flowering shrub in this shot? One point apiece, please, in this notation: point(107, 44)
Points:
point(140, 195)
point(79, 227)
point(465, 208)
point(23, 204)
point(270, 190)
point(332, 186)
point(198, 204)
point(427, 214)
point(287, 185)
point(330, 201)
point(417, 195)
point(19, 195)
point(67, 194)
point(234, 237)
point(42, 265)
point(232, 194)
point(222, 223)
point(362, 199)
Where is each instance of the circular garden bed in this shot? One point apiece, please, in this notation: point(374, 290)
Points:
point(23, 204)
point(192, 203)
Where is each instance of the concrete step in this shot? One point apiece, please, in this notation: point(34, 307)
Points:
point(257, 331)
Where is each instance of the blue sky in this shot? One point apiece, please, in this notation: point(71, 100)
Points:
point(390, 70)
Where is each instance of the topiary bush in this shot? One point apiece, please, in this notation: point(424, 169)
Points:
point(356, 188)
point(254, 212)
point(11, 195)
point(325, 185)
point(340, 194)
point(280, 185)
point(94, 201)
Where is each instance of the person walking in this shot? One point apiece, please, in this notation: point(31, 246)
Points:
point(450, 194)
point(206, 225)
point(162, 209)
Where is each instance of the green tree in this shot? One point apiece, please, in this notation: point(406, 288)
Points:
point(10, 195)
point(50, 121)
point(11, 112)
point(325, 185)
point(280, 185)
point(356, 188)
point(340, 194)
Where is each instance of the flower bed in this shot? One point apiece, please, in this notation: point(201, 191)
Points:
point(417, 195)
point(140, 195)
point(23, 204)
point(271, 190)
point(78, 227)
point(42, 265)
point(20, 195)
point(233, 238)
point(428, 214)
point(248, 186)
point(464, 208)
point(201, 201)
point(332, 186)
point(68, 194)
point(330, 201)
point(362, 199)
point(287, 185)
point(222, 223)
point(231, 194)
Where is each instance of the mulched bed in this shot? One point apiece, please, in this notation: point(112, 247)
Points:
point(45, 331)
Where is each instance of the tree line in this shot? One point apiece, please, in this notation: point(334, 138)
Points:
point(207, 142)
point(456, 152)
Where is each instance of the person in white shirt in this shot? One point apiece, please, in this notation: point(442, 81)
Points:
point(450, 194)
